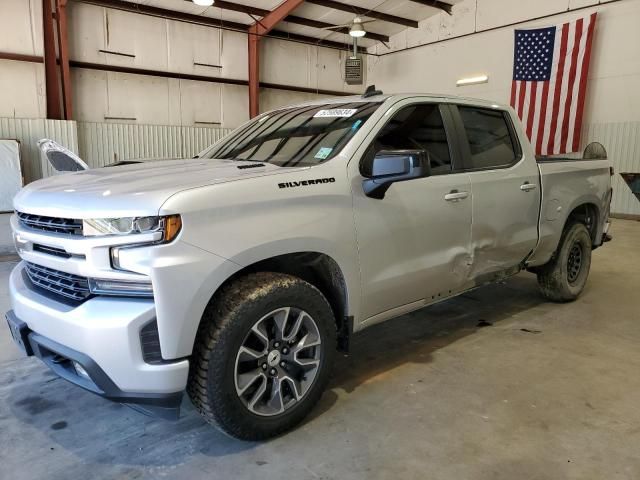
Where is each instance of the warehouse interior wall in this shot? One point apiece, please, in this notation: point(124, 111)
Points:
point(445, 49)
point(476, 39)
point(153, 43)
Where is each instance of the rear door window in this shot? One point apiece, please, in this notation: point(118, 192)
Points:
point(490, 137)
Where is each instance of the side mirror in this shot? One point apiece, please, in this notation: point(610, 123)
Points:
point(390, 166)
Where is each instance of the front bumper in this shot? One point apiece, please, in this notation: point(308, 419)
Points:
point(63, 361)
point(183, 277)
point(103, 335)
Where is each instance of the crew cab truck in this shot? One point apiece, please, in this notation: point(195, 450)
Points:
point(238, 274)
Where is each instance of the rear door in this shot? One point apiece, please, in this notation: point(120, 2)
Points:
point(505, 185)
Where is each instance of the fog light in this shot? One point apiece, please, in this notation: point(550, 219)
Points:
point(120, 287)
point(80, 370)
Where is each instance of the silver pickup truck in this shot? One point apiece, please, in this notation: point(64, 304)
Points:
point(237, 275)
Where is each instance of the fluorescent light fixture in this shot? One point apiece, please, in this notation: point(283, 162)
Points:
point(357, 30)
point(472, 80)
point(203, 3)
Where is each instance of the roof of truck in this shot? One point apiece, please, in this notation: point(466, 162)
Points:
point(401, 96)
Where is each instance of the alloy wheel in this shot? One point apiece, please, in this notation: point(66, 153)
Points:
point(278, 361)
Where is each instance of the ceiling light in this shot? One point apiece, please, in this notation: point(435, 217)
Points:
point(357, 30)
point(472, 80)
point(203, 3)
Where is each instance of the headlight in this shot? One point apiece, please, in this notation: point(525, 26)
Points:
point(169, 226)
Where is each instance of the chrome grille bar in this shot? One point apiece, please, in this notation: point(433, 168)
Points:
point(65, 284)
point(69, 226)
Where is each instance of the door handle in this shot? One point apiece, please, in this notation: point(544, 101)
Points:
point(526, 186)
point(455, 195)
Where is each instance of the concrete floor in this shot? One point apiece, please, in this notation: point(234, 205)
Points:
point(544, 391)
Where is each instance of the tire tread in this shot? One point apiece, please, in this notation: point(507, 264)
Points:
point(213, 337)
point(552, 280)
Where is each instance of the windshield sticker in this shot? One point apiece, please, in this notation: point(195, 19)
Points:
point(356, 124)
point(323, 153)
point(336, 112)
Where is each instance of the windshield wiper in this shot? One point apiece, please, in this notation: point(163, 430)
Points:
point(251, 165)
point(249, 160)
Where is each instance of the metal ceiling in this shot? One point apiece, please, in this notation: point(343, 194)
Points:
point(392, 16)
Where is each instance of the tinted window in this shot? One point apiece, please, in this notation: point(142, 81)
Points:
point(418, 127)
point(489, 137)
point(299, 136)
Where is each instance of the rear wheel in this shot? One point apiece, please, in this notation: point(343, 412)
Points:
point(563, 278)
point(263, 355)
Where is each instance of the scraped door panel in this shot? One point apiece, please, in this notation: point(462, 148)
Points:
point(505, 219)
point(505, 183)
point(413, 244)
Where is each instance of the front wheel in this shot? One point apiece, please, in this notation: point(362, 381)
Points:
point(563, 278)
point(263, 355)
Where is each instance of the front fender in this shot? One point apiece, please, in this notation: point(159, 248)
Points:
point(251, 220)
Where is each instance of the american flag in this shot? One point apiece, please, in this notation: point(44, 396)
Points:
point(550, 69)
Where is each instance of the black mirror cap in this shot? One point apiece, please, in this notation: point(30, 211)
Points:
point(390, 166)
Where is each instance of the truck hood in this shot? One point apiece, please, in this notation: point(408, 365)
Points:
point(137, 189)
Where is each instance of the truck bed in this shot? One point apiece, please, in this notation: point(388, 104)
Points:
point(567, 183)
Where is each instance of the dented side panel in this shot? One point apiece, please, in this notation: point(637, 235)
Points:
point(412, 245)
point(567, 185)
point(505, 217)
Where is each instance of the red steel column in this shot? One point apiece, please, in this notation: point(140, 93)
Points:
point(52, 84)
point(256, 31)
point(63, 50)
point(254, 72)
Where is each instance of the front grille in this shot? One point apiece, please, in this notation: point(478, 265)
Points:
point(58, 252)
point(67, 285)
point(69, 226)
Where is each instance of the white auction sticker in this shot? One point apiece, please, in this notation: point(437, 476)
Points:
point(336, 112)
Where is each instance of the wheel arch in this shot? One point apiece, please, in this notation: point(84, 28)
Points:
point(318, 269)
point(588, 214)
point(583, 210)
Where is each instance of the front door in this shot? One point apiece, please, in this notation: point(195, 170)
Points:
point(414, 244)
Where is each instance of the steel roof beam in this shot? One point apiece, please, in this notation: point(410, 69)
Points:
point(307, 22)
point(444, 6)
point(364, 12)
point(202, 20)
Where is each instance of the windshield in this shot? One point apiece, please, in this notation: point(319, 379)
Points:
point(300, 136)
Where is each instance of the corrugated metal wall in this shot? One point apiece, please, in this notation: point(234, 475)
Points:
point(102, 143)
point(28, 132)
point(622, 141)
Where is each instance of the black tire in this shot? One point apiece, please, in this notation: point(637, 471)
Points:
point(225, 326)
point(562, 279)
